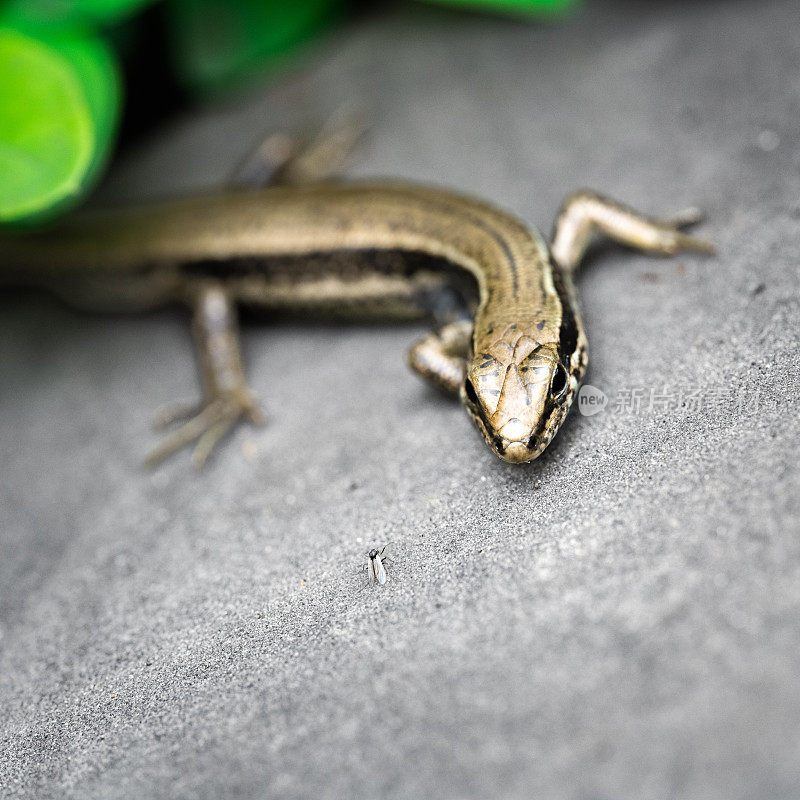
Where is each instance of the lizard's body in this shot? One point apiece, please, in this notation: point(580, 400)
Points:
point(371, 250)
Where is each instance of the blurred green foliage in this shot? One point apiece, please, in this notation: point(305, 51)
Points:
point(528, 8)
point(60, 95)
point(219, 45)
point(54, 13)
point(58, 112)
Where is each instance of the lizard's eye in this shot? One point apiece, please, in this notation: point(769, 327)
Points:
point(560, 382)
point(475, 404)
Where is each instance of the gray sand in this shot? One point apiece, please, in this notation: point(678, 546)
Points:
point(617, 620)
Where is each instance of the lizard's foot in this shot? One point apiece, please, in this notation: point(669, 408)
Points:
point(207, 424)
point(688, 218)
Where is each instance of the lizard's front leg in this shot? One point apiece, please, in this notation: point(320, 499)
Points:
point(441, 357)
point(226, 395)
point(585, 213)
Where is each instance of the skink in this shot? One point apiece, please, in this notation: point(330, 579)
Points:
point(510, 341)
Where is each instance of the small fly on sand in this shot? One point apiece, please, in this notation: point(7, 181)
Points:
point(376, 568)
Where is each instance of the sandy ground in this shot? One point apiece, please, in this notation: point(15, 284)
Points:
point(617, 620)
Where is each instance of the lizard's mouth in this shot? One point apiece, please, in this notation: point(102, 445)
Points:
point(519, 452)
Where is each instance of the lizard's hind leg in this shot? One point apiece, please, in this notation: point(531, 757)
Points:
point(226, 396)
point(285, 158)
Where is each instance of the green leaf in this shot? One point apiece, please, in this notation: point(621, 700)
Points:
point(70, 12)
point(58, 111)
point(221, 45)
point(527, 8)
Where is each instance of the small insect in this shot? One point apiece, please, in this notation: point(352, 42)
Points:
point(376, 568)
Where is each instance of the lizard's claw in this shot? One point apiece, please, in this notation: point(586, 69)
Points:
point(688, 218)
point(208, 423)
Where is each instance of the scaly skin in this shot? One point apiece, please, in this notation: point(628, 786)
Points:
point(371, 249)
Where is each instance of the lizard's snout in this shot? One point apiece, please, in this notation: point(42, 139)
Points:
point(515, 430)
point(515, 438)
point(517, 453)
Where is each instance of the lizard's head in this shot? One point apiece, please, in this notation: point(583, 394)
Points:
point(518, 393)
